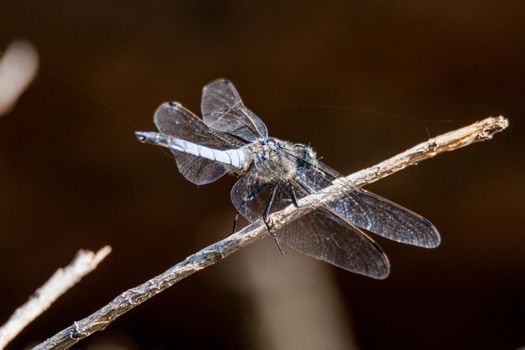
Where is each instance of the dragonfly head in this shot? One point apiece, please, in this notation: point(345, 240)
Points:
point(306, 156)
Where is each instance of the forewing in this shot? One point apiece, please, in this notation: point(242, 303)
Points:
point(372, 212)
point(175, 120)
point(388, 219)
point(324, 236)
point(223, 110)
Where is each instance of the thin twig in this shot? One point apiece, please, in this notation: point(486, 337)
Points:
point(480, 131)
point(63, 279)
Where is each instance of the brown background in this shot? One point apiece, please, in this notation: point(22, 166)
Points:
point(72, 174)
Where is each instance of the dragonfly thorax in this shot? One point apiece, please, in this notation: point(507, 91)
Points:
point(266, 149)
point(280, 160)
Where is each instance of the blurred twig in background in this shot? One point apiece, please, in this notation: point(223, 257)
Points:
point(62, 280)
point(296, 302)
point(479, 131)
point(18, 67)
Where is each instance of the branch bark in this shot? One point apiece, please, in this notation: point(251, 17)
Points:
point(62, 280)
point(99, 320)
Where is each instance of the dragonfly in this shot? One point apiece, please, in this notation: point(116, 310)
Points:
point(273, 173)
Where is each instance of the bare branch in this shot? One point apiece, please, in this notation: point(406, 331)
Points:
point(129, 299)
point(63, 279)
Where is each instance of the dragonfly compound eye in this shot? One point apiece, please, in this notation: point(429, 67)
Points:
point(310, 152)
point(306, 155)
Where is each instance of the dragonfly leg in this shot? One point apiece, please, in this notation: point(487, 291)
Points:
point(235, 222)
point(293, 195)
point(268, 207)
point(267, 213)
point(278, 245)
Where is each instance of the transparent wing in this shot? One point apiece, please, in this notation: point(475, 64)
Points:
point(223, 110)
point(372, 212)
point(319, 234)
point(251, 193)
point(175, 120)
point(324, 236)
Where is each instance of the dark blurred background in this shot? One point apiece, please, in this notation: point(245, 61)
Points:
point(73, 175)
